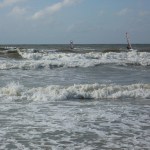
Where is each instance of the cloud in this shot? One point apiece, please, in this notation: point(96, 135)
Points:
point(18, 11)
point(53, 8)
point(123, 12)
point(6, 3)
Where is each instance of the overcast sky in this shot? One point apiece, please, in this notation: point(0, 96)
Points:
point(83, 21)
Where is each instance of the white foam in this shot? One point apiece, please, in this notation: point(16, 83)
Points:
point(60, 125)
point(46, 60)
point(80, 91)
point(12, 89)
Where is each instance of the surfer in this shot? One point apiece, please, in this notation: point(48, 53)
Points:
point(71, 45)
point(129, 47)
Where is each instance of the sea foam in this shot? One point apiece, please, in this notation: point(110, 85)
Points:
point(56, 60)
point(77, 91)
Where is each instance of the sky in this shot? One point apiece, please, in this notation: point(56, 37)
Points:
point(83, 21)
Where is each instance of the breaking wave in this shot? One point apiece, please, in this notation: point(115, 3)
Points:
point(15, 91)
point(59, 59)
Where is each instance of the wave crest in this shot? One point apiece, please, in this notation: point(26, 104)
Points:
point(80, 91)
point(55, 60)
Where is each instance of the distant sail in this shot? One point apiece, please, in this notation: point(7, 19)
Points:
point(71, 45)
point(129, 45)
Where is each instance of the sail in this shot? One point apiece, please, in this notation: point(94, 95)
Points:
point(129, 45)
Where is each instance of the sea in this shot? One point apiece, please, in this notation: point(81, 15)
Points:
point(92, 97)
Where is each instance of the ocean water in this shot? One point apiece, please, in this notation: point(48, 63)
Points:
point(94, 97)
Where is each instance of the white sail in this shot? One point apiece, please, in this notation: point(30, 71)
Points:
point(129, 45)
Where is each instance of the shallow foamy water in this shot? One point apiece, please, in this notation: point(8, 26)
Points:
point(75, 124)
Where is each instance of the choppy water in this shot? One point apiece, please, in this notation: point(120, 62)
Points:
point(93, 97)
